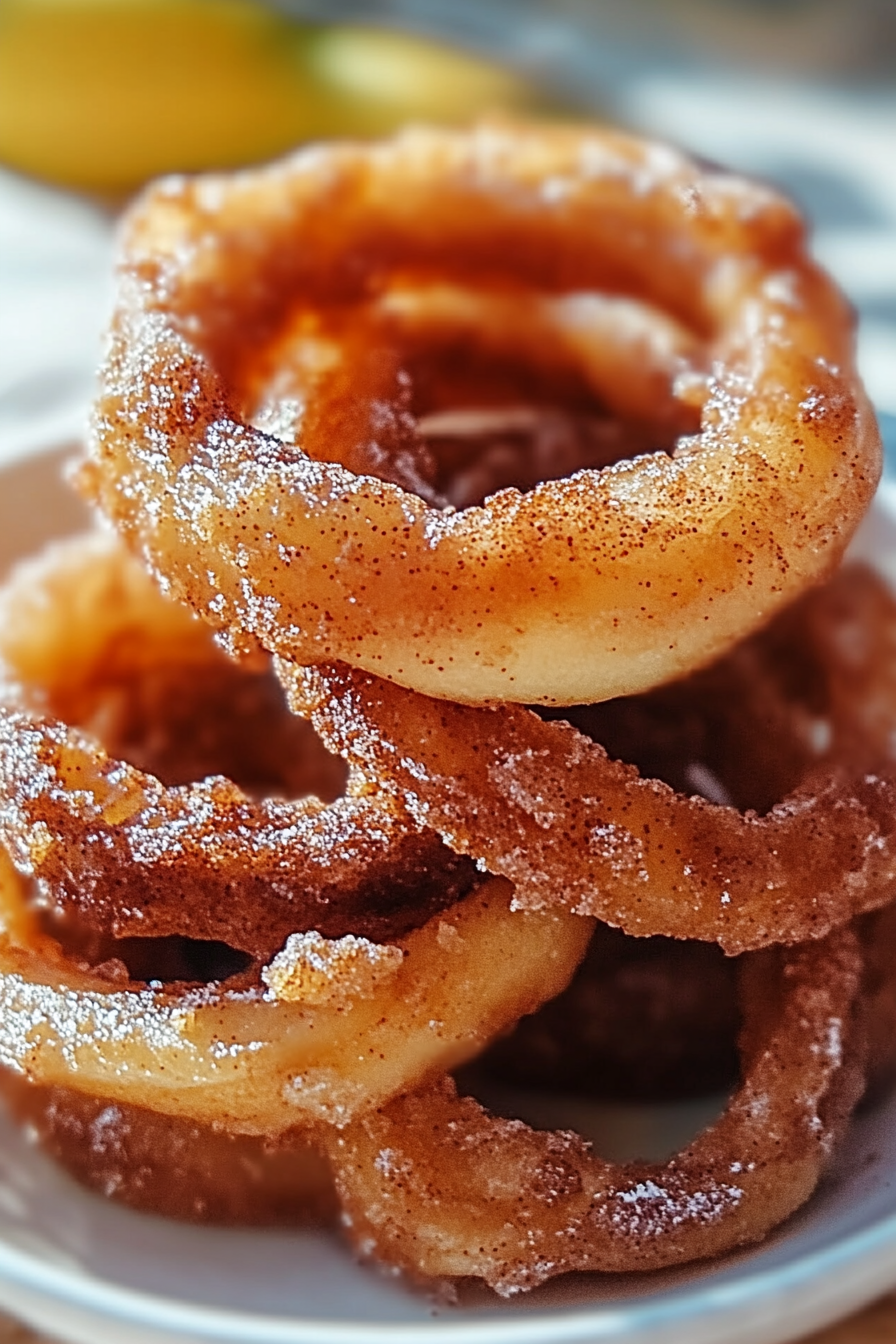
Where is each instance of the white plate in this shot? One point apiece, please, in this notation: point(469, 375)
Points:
point(92, 1273)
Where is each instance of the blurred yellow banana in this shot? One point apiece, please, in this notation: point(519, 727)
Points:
point(103, 94)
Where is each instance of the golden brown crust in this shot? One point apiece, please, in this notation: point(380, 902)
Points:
point(174, 1168)
point(166, 842)
point(330, 1028)
point(520, 414)
point(542, 804)
point(437, 1186)
point(585, 588)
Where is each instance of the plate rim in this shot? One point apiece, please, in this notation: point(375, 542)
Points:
point(69, 1287)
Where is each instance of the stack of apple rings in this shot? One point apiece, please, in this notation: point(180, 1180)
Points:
point(505, 472)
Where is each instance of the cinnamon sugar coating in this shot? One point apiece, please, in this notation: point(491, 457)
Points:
point(174, 1168)
point(436, 1185)
point(236, 1055)
point(655, 1019)
point(168, 841)
point(607, 582)
point(543, 804)
point(427, 431)
point(334, 1021)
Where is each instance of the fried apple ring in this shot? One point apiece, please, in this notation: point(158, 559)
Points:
point(435, 1185)
point(331, 1028)
point(653, 1018)
point(89, 647)
point(540, 803)
point(174, 1168)
point(605, 583)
